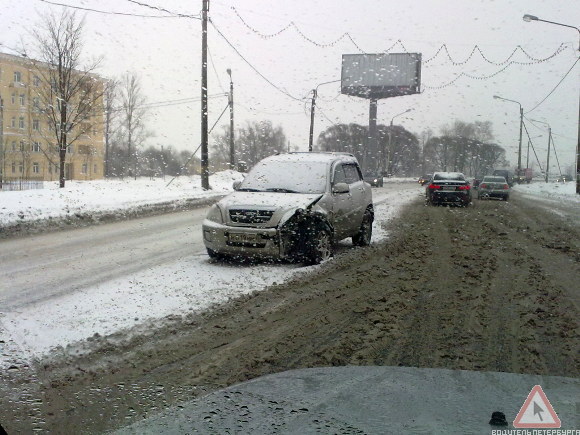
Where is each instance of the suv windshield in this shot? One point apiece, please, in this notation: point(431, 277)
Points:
point(286, 176)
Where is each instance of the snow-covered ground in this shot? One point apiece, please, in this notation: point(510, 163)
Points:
point(192, 284)
point(552, 191)
point(105, 196)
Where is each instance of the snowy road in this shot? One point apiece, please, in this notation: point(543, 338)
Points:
point(63, 287)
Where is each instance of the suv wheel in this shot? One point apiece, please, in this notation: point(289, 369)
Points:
point(365, 233)
point(320, 247)
point(214, 255)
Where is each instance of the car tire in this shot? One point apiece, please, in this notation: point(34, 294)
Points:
point(214, 255)
point(365, 232)
point(320, 248)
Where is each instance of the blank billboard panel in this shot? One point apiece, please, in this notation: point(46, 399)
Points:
point(381, 75)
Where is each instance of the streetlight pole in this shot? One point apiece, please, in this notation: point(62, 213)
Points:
point(312, 108)
point(231, 104)
point(528, 18)
point(388, 153)
point(519, 171)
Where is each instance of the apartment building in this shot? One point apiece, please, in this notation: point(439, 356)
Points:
point(28, 145)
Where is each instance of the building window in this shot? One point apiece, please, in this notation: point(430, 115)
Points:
point(35, 147)
point(17, 77)
point(35, 168)
point(13, 98)
point(36, 103)
point(36, 81)
point(35, 124)
point(14, 145)
point(13, 122)
point(22, 146)
point(84, 168)
point(13, 168)
point(22, 100)
point(94, 169)
point(69, 149)
point(21, 167)
point(21, 123)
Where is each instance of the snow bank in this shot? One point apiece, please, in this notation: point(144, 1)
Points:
point(552, 191)
point(103, 196)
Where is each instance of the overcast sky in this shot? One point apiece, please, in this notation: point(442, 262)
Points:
point(166, 54)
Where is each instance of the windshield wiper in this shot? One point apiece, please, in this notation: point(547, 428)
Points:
point(280, 189)
point(249, 189)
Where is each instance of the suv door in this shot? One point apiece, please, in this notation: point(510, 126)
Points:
point(357, 186)
point(342, 205)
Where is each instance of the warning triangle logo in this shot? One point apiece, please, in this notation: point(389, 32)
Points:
point(537, 412)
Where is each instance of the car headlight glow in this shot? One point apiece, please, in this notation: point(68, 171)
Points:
point(215, 214)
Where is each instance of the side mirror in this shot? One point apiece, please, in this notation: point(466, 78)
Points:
point(237, 185)
point(340, 188)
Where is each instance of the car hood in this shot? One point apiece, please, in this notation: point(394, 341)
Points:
point(278, 203)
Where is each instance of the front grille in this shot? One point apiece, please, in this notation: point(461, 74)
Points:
point(245, 216)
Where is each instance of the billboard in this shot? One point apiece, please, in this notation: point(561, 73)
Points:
point(381, 75)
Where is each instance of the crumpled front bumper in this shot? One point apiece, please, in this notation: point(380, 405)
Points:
point(217, 238)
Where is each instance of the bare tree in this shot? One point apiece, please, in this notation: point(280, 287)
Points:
point(110, 97)
point(70, 93)
point(132, 114)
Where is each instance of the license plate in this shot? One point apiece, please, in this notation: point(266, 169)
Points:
point(242, 238)
point(448, 188)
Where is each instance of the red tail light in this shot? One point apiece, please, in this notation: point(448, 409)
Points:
point(434, 186)
point(506, 187)
point(466, 187)
point(483, 186)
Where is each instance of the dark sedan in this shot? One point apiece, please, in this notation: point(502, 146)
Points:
point(448, 188)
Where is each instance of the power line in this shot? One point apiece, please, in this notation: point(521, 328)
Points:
point(555, 87)
point(107, 12)
point(279, 89)
point(215, 70)
point(158, 8)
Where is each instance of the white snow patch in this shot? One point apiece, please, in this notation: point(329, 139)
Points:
point(110, 195)
point(553, 191)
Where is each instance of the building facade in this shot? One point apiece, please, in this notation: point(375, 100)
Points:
point(28, 143)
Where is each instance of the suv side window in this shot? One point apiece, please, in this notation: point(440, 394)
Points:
point(352, 173)
point(339, 176)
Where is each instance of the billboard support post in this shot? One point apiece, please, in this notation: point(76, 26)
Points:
point(377, 76)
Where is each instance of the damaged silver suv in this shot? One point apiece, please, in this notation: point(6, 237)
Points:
point(292, 206)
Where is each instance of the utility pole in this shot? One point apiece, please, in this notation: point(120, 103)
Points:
point(231, 103)
point(548, 159)
point(519, 174)
point(204, 105)
point(311, 137)
point(1, 141)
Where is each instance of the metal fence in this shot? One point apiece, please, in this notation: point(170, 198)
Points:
point(6, 186)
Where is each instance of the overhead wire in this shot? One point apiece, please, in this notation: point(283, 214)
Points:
point(215, 70)
point(99, 11)
point(555, 87)
point(160, 9)
point(532, 145)
point(266, 79)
